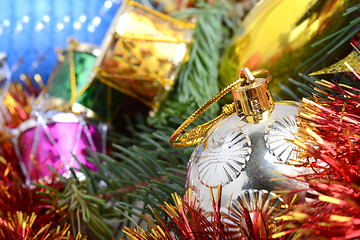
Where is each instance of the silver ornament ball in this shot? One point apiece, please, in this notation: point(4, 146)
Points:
point(241, 156)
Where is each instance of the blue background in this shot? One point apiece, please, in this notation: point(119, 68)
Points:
point(31, 30)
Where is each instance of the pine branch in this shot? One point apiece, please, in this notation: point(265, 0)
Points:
point(84, 210)
point(198, 78)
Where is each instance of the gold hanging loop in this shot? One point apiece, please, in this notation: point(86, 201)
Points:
point(194, 136)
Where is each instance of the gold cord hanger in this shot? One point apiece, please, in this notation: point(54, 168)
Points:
point(252, 99)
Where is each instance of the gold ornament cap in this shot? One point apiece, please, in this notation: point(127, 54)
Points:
point(253, 99)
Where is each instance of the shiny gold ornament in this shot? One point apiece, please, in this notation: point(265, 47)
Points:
point(142, 53)
point(278, 34)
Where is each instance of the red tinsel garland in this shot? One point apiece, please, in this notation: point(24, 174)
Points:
point(330, 133)
point(25, 211)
